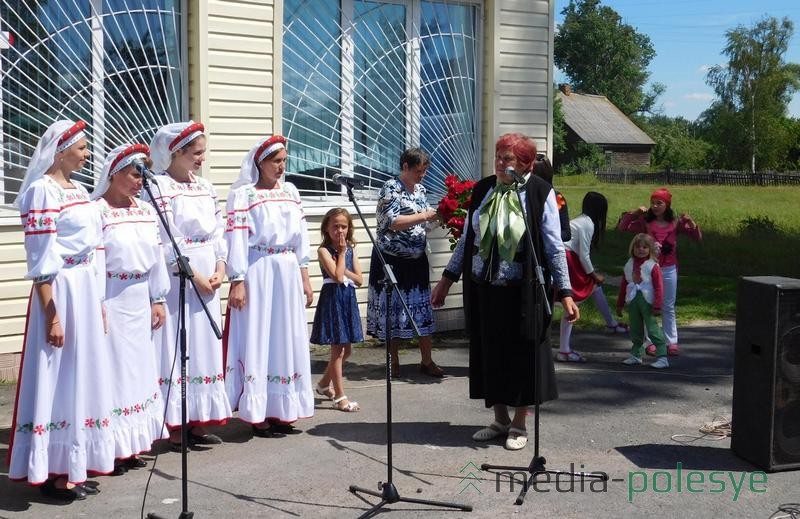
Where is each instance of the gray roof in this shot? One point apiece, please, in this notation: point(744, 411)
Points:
point(597, 121)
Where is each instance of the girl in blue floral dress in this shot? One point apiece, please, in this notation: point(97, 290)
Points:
point(337, 321)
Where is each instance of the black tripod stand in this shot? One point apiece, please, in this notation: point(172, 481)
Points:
point(388, 492)
point(185, 274)
point(537, 464)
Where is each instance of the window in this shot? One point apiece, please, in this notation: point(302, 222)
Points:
point(363, 80)
point(116, 64)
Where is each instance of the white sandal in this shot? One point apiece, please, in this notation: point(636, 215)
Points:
point(350, 407)
point(326, 392)
point(517, 439)
point(495, 430)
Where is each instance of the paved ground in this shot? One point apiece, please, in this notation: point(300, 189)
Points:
point(610, 418)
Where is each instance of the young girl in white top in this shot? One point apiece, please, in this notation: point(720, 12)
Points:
point(587, 231)
point(642, 289)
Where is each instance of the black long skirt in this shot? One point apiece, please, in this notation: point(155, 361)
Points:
point(504, 367)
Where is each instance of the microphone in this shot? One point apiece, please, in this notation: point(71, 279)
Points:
point(348, 182)
point(144, 171)
point(516, 176)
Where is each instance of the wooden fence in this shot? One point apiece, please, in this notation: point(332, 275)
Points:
point(711, 176)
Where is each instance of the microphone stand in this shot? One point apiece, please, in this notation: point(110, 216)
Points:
point(185, 274)
point(388, 492)
point(537, 464)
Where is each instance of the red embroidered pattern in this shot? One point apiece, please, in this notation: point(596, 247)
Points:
point(269, 250)
point(200, 379)
point(40, 429)
point(96, 423)
point(135, 408)
point(127, 276)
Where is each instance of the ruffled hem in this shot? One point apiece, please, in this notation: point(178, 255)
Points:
point(60, 458)
point(134, 438)
point(205, 408)
point(286, 407)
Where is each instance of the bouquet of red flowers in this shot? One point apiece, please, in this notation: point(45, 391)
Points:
point(453, 207)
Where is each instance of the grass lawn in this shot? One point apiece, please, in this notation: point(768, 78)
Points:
point(747, 231)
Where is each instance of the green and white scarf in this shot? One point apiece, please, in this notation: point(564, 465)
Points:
point(501, 218)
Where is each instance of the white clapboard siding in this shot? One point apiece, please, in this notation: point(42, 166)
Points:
point(518, 72)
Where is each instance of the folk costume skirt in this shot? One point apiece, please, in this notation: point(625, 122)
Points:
point(138, 406)
point(62, 418)
point(582, 283)
point(205, 384)
point(268, 364)
point(413, 283)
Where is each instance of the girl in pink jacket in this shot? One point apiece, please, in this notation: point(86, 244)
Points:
point(659, 221)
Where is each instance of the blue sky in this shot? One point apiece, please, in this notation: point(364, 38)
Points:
point(688, 36)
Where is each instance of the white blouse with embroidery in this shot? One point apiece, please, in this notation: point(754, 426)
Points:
point(132, 246)
point(61, 226)
point(192, 212)
point(268, 221)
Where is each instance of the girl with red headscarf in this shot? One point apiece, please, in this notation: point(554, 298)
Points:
point(659, 222)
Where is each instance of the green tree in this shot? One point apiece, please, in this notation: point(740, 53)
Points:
point(748, 122)
point(678, 145)
point(602, 55)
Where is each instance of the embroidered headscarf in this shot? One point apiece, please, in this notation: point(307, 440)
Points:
point(117, 160)
point(248, 172)
point(171, 138)
point(58, 137)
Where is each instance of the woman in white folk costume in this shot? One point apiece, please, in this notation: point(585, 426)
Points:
point(137, 283)
point(190, 207)
point(268, 368)
point(62, 425)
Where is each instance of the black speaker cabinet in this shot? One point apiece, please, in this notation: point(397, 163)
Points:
point(766, 375)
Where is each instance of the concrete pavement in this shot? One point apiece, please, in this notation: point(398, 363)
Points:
point(611, 418)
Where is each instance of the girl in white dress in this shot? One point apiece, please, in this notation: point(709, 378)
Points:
point(268, 368)
point(137, 283)
point(62, 425)
point(190, 206)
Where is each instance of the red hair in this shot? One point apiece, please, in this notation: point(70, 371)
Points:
point(520, 145)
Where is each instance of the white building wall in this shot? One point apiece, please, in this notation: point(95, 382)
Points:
point(234, 49)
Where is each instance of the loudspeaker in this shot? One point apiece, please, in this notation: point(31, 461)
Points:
point(766, 375)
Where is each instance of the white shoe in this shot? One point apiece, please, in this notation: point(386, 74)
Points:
point(660, 363)
point(633, 360)
point(517, 439)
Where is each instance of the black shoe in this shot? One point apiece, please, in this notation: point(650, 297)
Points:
point(120, 469)
point(91, 490)
point(284, 428)
point(135, 463)
point(206, 439)
point(48, 488)
point(174, 446)
point(263, 432)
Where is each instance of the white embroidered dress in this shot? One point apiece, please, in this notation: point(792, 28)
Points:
point(62, 419)
point(196, 222)
point(136, 274)
point(268, 367)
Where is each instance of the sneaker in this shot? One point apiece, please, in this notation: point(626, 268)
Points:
point(660, 363)
point(673, 350)
point(618, 328)
point(633, 360)
point(651, 350)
